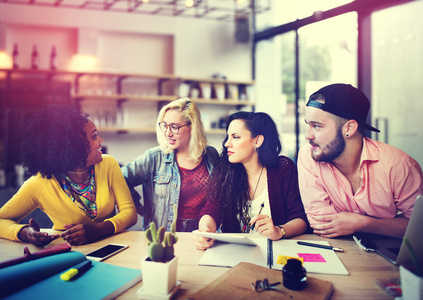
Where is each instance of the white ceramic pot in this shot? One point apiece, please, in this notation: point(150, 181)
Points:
point(205, 90)
point(411, 285)
point(157, 277)
point(220, 91)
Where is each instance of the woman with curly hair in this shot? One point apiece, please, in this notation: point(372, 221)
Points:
point(174, 175)
point(253, 188)
point(72, 182)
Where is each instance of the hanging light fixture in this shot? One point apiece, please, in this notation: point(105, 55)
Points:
point(224, 10)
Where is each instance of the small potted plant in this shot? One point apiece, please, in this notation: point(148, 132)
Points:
point(159, 269)
point(412, 276)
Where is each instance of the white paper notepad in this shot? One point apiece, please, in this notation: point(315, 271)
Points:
point(316, 260)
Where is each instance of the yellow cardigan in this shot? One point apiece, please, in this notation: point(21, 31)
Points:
point(48, 195)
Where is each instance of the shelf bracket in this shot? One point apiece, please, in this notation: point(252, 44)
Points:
point(119, 84)
point(160, 85)
point(77, 77)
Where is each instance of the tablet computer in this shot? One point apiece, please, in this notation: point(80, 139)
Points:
point(235, 238)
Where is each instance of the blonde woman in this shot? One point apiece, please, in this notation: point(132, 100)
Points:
point(177, 172)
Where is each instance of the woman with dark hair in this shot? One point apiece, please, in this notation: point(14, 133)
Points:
point(72, 182)
point(253, 188)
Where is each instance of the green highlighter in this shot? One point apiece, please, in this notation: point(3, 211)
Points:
point(79, 269)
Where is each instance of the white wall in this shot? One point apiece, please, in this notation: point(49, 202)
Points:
point(128, 43)
point(201, 47)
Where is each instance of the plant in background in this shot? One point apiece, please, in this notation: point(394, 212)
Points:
point(160, 243)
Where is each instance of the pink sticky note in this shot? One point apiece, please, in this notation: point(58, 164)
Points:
point(311, 257)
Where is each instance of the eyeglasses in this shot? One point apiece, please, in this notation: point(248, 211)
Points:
point(174, 128)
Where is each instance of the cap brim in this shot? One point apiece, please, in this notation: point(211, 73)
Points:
point(368, 127)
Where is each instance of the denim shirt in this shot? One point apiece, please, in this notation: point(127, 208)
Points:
point(158, 173)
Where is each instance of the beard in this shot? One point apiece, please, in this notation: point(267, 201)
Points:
point(332, 150)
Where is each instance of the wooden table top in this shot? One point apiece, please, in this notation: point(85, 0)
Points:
point(364, 267)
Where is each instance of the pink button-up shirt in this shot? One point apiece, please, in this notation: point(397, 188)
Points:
point(390, 181)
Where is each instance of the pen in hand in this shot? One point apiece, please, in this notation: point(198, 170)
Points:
point(79, 269)
point(261, 208)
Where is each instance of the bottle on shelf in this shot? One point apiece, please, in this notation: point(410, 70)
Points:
point(2, 179)
point(53, 58)
point(35, 58)
point(15, 56)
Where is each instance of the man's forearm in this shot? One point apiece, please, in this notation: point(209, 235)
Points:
point(391, 227)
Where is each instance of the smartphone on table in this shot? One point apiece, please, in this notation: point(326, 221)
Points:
point(106, 251)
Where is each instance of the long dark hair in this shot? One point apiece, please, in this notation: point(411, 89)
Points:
point(229, 184)
point(54, 141)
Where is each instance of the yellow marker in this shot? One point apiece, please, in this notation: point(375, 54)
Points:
point(78, 269)
point(282, 259)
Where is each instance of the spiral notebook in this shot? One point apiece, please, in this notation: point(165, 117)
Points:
point(274, 254)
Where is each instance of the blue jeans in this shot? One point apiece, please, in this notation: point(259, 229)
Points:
point(186, 225)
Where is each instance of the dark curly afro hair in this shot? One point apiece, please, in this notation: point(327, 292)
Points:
point(54, 141)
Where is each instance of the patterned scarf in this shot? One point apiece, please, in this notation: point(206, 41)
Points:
point(246, 218)
point(83, 195)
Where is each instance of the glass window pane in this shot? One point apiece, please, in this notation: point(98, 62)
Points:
point(288, 92)
point(397, 72)
point(300, 9)
point(327, 54)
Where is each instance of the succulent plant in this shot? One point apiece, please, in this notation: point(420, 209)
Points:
point(160, 243)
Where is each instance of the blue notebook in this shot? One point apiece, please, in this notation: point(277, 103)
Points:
point(40, 279)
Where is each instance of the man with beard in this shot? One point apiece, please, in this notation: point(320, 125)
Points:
point(348, 182)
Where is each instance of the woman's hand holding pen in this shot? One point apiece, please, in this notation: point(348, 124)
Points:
point(264, 226)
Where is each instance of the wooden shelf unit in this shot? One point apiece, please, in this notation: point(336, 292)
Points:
point(119, 95)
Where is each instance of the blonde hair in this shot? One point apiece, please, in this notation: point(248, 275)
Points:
point(191, 114)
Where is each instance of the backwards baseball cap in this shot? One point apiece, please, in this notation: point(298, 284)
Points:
point(345, 101)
